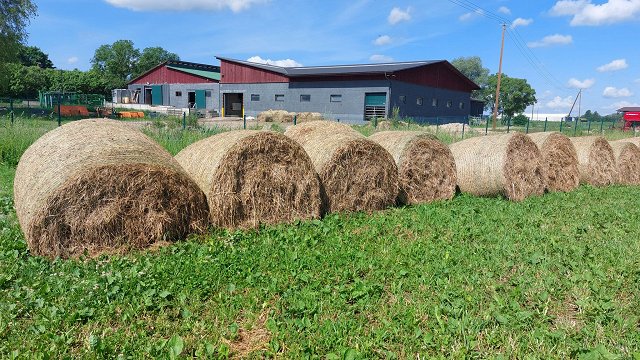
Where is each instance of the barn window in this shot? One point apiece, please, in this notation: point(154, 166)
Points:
point(434, 102)
point(335, 98)
point(461, 105)
point(279, 97)
point(419, 101)
point(305, 98)
point(178, 93)
point(207, 93)
point(403, 99)
point(449, 103)
point(255, 97)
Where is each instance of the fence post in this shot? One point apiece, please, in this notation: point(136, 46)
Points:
point(295, 119)
point(545, 123)
point(601, 124)
point(508, 123)
point(486, 126)
point(463, 130)
point(527, 129)
point(589, 126)
point(244, 122)
point(184, 120)
point(375, 122)
point(11, 109)
point(561, 123)
point(575, 127)
point(59, 111)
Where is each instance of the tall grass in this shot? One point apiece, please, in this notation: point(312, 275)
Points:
point(17, 137)
point(174, 140)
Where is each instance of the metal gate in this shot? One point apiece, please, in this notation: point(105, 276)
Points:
point(375, 105)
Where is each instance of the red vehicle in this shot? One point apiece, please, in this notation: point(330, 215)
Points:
point(631, 118)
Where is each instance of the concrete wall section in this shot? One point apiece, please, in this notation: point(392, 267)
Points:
point(406, 97)
point(170, 97)
point(347, 104)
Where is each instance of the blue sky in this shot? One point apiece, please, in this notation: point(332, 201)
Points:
point(558, 46)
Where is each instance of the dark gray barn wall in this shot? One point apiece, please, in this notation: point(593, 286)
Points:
point(350, 109)
point(426, 112)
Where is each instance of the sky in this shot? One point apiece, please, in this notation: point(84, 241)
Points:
point(559, 47)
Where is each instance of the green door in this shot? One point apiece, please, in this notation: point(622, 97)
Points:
point(156, 95)
point(375, 105)
point(375, 99)
point(201, 100)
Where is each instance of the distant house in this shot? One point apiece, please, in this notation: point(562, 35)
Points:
point(178, 83)
point(427, 91)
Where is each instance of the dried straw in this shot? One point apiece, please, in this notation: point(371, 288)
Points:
point(508, 164)
point(356, 173)
point(277, 116)
point(426, 168)
point(633, 140)
point(560, 160)
point(96, 185)
point(627, 156)
point(253, 177)
point(596, 161)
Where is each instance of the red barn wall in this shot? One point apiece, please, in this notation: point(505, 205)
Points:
point(164, 75)
point(233, 73)
point(436, 75)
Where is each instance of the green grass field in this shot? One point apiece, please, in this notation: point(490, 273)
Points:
point(556, 276)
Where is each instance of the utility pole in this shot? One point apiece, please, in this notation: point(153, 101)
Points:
point(495, 108)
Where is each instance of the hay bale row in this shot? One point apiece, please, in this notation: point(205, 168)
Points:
point(508, 164)
point(356, 173)
point(253, 177)
point(277, 116)
point(98, 185)
point(560, 160)
point(627, 156)
point(596, 161)
point(426, 167)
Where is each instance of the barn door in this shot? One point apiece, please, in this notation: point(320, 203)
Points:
point(375, 105)
point(201, 99)
point(156, 95)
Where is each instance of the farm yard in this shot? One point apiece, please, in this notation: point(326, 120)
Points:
point(552, 276)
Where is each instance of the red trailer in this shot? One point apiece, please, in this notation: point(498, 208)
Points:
point(631, 120)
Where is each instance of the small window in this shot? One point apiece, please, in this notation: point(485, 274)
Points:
point(461, 105)
point(255, 97)
point(207, 93)
point(335, 98)
point(403, 99)
point(419, 101)
point(178, 93)
point(449, 103)
point(434, 102)
point(305, 98)
point(279, 97)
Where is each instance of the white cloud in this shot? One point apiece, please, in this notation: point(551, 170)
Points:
point(584, 84)
point(398, 15)
point(551, 40)
point(471, 15)
point(282, 63)
point(377, 58)
point(185, 5)
point(521, 22)
point(72, 60)
point(586, 13)
point(559, 103)
point(621, 104)
point(383, 40)
point(615, 65)
point(612, 92)
point(504, 10)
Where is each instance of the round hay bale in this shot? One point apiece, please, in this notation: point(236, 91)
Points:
point(596, 161)
point(560, 160)
point(507, 164)
point(99, 186)
point(627, 156)
point(253, 177)
point(426, 167)
point(278, 116)
point(308, 116)
point(634, 140)
point(356, 173)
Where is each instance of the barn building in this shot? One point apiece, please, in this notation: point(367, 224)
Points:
point(180, 84)
point(426, 91)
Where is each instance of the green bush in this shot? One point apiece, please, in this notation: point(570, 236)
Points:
point(519, 120)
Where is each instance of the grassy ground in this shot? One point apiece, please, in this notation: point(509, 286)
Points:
point(552, 277)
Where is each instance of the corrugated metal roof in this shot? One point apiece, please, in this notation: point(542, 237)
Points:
point(335, 69)
point(213, 75)
point(629, 108)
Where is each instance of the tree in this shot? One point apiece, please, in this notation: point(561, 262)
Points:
point(515, 95)
point(472, 68)
point(116, 62)
point(33, 56)
point(15, 16)
point(151, 57)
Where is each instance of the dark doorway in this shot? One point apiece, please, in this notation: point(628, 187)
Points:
point(148, 96)
point(191, 99)
point(233, 105)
